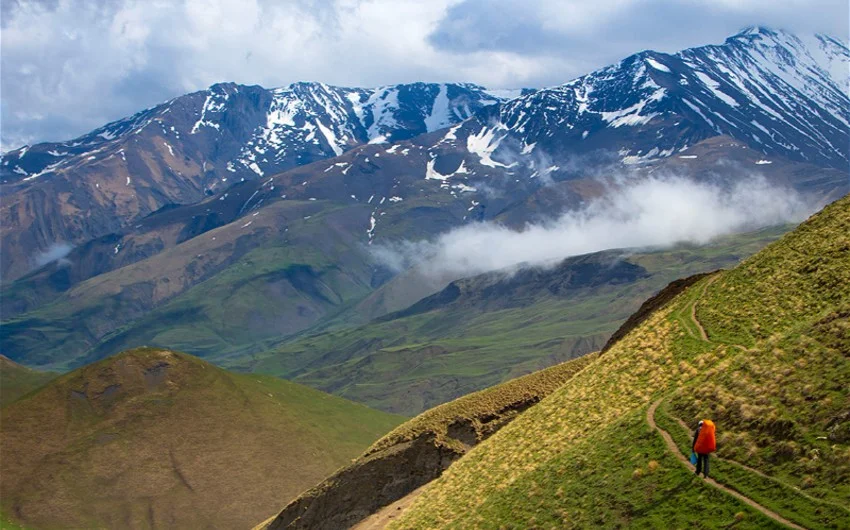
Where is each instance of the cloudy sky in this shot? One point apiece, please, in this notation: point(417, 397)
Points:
point(68, 66)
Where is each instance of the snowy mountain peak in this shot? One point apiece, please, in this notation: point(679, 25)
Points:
point(249, 131)
point(775, 91)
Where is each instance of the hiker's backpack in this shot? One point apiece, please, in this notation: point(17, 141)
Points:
point(705, 441)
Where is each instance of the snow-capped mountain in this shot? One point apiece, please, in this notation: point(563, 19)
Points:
point(195, 145)
point(249, 131)
point(781, 94)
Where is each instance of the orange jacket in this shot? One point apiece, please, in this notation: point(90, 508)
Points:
point(705, 439)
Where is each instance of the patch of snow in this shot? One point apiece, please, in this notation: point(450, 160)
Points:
point(382, 104)
point(763, 162)
point(658, 66)
point(210, 105)
point(330, 137)
point(396, 199)
point(631, 116)
point(714, 86)
point(255, 168)
point(433, 174)
point(451, 134)
point(689, 157)
point(483, 144)
point(170, 150)
point(439, 116)
point(641, 158)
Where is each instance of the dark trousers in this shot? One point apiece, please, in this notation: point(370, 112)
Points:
point(702, 464)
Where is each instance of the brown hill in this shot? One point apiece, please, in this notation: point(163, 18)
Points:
point(153, 438)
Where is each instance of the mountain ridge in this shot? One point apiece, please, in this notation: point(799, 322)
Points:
point(772, 91)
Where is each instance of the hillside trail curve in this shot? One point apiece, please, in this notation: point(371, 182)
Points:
point(673, 448)
point(702, 333)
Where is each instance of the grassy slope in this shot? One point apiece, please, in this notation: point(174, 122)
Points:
point(410, 364)
point(398, 463)
point(584, 457)
point(17, 380)
point(151, 437)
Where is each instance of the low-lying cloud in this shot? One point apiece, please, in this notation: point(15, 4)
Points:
point(654, 212)
point(54, 252)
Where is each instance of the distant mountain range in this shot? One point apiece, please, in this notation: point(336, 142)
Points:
point(223, 221)
point(198, 144)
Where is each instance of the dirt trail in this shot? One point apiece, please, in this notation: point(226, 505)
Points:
point(380, 519)
point(763, 475)
point(673, 448)
point(703, 335)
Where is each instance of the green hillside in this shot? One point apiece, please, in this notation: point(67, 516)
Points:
point(17, 380)
point(761, 349)
point(154, 438)
point(493, 331)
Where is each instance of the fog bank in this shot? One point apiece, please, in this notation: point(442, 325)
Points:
point(655, 212)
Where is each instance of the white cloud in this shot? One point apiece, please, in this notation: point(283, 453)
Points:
point(655, 212)
point(69, 66)
point(56, 251)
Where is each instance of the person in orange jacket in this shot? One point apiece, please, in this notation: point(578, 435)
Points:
point(704, 444)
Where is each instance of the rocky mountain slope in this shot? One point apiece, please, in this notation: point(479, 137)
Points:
point(198, 144)
point(760, 349)
point(778, 93)
point(153, 438)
